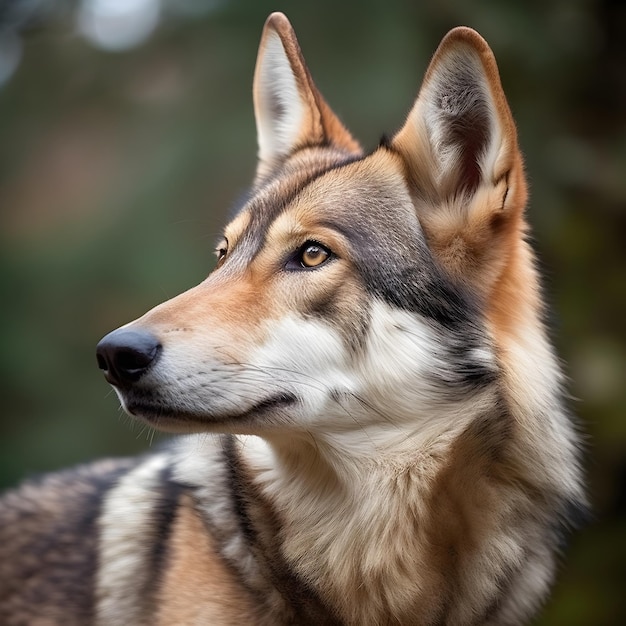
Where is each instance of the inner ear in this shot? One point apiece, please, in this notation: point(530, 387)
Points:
point(460, 133)
point(461, 125)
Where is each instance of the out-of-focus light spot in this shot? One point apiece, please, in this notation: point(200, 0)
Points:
point(117, 25)
point(10, 54)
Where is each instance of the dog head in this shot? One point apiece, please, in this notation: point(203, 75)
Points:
point(353, 292)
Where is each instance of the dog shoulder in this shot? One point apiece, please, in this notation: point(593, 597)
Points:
point(117, 541)
point(48, 543)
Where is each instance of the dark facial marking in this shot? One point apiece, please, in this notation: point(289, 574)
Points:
point(264, 211)
point(399, 269)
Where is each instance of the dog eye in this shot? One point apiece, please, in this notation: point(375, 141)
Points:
point(221, 252)
point(313, 254)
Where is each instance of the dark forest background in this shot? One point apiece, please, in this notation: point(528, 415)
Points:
point(121, 153)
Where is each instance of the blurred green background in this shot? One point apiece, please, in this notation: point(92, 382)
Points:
point(127, 132)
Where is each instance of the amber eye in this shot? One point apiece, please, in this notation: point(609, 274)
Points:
point(313, 254)
point(220, 252)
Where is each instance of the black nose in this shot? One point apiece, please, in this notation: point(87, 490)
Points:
point(125, 355)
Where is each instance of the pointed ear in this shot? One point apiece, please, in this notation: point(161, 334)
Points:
point(290, 112)
point(460, 133)
point(463, 166)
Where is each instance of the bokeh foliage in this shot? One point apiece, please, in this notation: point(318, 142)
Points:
point(117, 170)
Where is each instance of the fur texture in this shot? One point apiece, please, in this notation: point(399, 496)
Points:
point(372, 422)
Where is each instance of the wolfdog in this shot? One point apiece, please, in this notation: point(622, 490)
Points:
point(371, 415)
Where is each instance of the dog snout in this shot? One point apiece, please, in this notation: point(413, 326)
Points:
point(125, 355)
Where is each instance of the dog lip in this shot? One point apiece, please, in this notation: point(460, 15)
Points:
point(281, 399)
point(149, 411)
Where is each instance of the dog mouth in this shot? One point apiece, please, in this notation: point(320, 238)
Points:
point(167, 416)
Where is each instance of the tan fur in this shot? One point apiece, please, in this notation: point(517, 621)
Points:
point(236, 227)
point(208, 306)
point(198, 586)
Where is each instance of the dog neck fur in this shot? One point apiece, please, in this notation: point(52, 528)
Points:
point(459, 153)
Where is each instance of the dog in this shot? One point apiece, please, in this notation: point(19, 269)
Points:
point(372, 421)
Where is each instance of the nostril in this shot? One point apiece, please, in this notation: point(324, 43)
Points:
point(132, 359)
point(102, 363)
point(125, 355)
